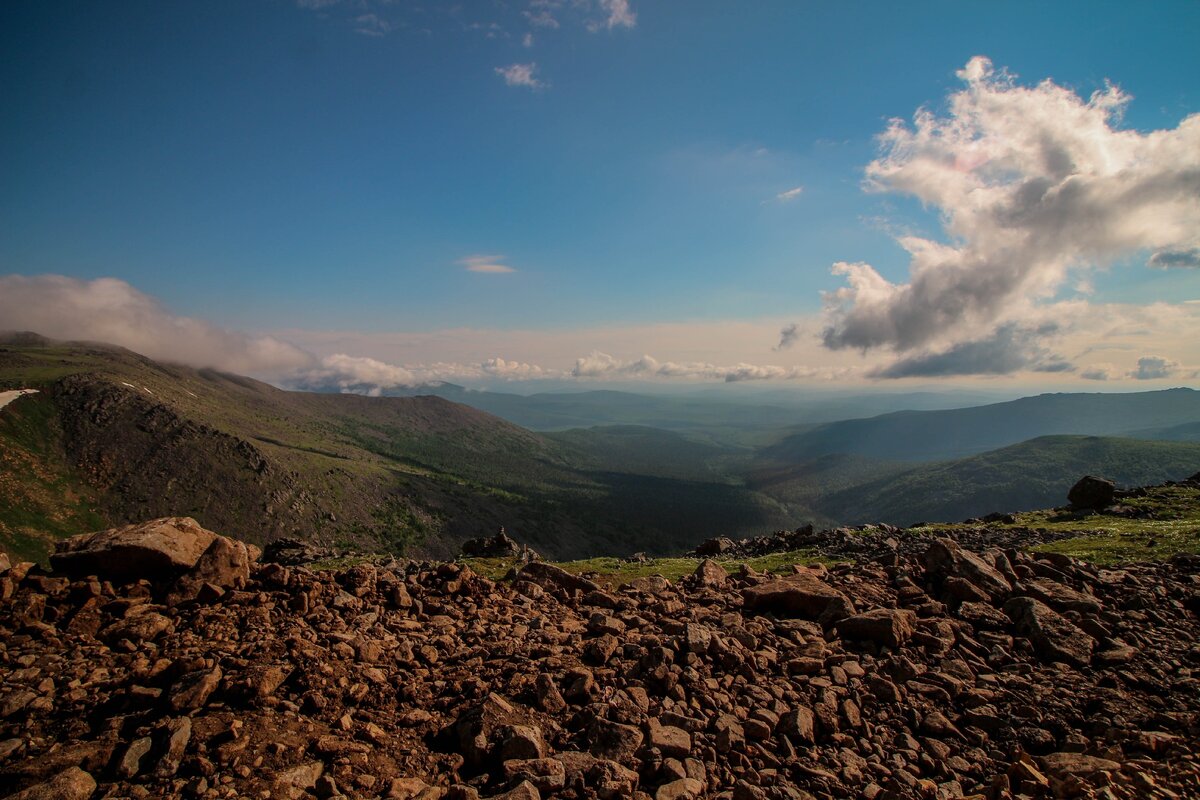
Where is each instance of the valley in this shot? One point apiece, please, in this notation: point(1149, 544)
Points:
point(113, 437)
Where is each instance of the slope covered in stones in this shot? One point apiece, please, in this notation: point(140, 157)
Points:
point(938, 671)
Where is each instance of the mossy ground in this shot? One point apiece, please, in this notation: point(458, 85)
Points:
point(615, 571)
point(1165, 521)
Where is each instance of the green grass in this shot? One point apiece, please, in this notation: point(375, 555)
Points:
point(616, 571)
point(1173, 526)
point(41, 500)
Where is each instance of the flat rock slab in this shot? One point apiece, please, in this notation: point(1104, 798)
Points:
point(551, 577)
point(946, 559)
point(155, 549)
point(70, 784)
point(1055, 638)
point(802, 595)
point(886, 626)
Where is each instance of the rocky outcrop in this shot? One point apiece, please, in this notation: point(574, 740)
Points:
point(418, 680)
point(151, 550)
point(499, 546)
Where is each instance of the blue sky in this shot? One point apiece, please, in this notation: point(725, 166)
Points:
point(302, 168)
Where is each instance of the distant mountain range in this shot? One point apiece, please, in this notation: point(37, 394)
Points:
point(113, 437)
point(1022, 477)
point(955, 433)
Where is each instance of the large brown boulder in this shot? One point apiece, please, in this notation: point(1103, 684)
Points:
point(153, 550)
point(891, 627)
point(803, 595)
point(1092, 492)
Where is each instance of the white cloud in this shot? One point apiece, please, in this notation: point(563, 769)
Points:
point(110, 310)
point(1032, 184)
point(1102, 371)
point(527, 40)
point(516, 370)
point(487, 264)
point(603, 365)
point(541, 18)
point(620, 15)
point(790, 194)
point(344, 373)
point(521, 75)
point(372, 25)
point(1151, 368)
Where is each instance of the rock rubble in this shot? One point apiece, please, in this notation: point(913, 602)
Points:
point(951, 673)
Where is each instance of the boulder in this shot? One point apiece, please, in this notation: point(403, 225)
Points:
point(294, 783)
point(1061, 597)
point(224, 565)
point(803, 595)
point(946, 559)
point(499, 546)
point(70, 784)
point(551, 577)
point(1092, 492)
point(1053, 637)
point(153, 550)
point(710, 573)
point(891, 627)
point(715, 547)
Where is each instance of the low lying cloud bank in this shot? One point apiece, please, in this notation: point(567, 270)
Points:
point(1033, 183)
point(110, 310)
point(602, 365)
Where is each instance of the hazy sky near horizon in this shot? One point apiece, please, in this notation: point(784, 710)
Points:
point(362, 193)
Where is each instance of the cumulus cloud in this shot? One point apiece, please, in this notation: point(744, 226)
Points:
point(1100, 372)
point(110, 310)
point(1151, 368)
point(1031, 183)
point(515, 370)
point(351, 374)
point(790, 194)
point(1008, 350)
point(620, 15)
point(603, 365)
point(488, 264)
point(521, 75)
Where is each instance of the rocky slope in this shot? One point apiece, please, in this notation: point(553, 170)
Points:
point(941, 672)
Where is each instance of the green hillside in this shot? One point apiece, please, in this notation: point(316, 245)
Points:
point(1031, 475)
point(116, 437)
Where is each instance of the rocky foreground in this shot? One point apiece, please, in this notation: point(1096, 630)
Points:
point(161, 661)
